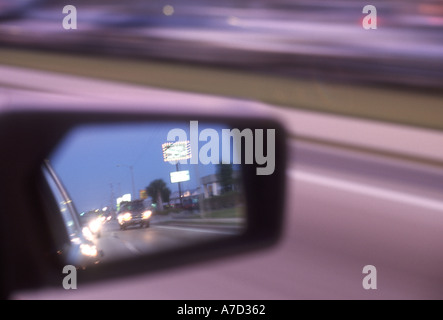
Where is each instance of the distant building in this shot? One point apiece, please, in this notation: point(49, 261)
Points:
point(211, 187)
point(175, 200)
point(211, 184)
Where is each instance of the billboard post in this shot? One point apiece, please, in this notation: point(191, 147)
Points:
point(174, 152)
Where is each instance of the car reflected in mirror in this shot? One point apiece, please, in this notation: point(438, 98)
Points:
point(77, 247)
point(137, 190)
point(116, 194)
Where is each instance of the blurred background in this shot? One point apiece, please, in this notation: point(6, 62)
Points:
point(364, 109)
point(316, 39)
point(313, 55)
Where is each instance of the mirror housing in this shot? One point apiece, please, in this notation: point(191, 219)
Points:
point(28, 247)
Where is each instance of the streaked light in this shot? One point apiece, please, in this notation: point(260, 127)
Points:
point(88, 250)
point(147, 214)
point(87, 233)
point(124, 217)
point(168, 10)
point(95, 225)
point(233, 21)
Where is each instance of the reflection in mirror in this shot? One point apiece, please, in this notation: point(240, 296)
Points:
point(137, 189)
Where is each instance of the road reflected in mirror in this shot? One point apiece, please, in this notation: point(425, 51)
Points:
point(137, 189)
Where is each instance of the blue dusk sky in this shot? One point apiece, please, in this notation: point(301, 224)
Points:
point(93, 161)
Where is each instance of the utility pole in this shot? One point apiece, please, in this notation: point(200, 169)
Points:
point(179, 186)
point(133, 184)
point(112, 206)
point(201, 195)
point(131, 168)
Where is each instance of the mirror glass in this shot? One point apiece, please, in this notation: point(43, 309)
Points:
point(136, 189)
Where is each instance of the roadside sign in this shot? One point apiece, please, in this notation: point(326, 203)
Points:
point(176, 151)
point(180, 176)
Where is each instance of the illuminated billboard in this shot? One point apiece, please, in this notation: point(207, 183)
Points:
point(180, 176)
point(176, 151)
point(124, 198)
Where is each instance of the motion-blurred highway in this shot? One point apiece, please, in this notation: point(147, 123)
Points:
point(365, 179)
point(165, 233)
point(314, 39)
point(346, 208)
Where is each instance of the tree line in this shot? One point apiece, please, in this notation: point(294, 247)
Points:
point(160, 193)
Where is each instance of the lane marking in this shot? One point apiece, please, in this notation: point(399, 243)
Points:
point(196, 230)
point(130, 247)
point(404, 198)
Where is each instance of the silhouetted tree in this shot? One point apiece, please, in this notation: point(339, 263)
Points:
point(225, 177)
point(159, 192)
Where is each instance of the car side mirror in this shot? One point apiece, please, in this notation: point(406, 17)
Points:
point(115, 193)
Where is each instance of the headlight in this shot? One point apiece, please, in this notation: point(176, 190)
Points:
point(147, 214)
point(87, 233)
point(88, 250)
point(124, 217)
point(95, 225)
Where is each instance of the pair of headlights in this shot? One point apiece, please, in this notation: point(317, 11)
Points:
point(125, 217)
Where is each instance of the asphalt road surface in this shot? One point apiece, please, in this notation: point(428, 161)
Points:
point(119, 244)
